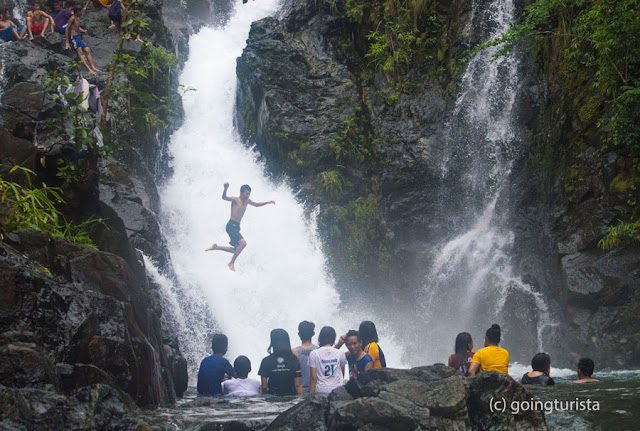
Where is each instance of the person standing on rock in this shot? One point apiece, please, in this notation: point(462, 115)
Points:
point(72, 36)
point(238, 208)
point(492, 357)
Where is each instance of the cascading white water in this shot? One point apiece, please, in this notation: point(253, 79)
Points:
point(471, 275)
point(280, 277)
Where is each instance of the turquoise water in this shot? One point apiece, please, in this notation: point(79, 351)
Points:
point(617, 398)
point(614, 401)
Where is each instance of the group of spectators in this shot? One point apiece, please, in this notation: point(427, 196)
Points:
point(307, 368)
point(64, 18)
point(494, 358)
point(311, 368)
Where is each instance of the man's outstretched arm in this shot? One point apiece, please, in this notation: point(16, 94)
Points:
point(260, 204)
point(224, 193)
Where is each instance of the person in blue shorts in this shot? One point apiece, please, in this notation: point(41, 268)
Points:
point(9, 31)
point(72, 36)
point(238, 208)
point(213, 368)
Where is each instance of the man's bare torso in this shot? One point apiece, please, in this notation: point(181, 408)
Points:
point(238, 208)
point(36, 16)
point(74, 26)
point(5, 23)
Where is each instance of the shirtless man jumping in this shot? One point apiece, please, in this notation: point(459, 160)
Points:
point(238, 207)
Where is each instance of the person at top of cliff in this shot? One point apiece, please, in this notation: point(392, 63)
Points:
point(241, 386)
point(463, 349)
point(585, 371)
point(541, 365)
point(9, 31)
point(38, 21)
point(358, 360)
point(214, 369)
point(72, 35)
point(302, 352)
point(63, 16)
point(492, 357)
point(238, 208)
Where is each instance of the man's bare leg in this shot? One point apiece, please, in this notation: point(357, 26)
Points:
point(90, 58)
point(223, 248)
point(29, 20)
point(241, 245)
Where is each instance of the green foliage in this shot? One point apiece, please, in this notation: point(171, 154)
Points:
point(622, 234)
point(354, 229)
point(332, 182)
point(148, 88)
point(601, 36)
point(35, 208)
point(401, 36)
point(353, 142)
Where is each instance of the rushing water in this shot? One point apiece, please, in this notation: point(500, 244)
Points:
point(470, 283)
point(280, 277)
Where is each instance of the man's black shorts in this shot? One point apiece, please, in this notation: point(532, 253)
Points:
point(233, 229)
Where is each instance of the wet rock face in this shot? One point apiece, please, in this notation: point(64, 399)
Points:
point(73, 317)
point(424, 398)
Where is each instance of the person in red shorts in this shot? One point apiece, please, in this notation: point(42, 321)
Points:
point(38, 21)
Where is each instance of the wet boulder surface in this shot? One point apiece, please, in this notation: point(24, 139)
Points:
point(423, 398)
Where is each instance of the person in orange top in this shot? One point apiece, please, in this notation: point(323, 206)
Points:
point(492, 357)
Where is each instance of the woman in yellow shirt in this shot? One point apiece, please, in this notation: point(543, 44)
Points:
point(492, 357)
point(369, 337)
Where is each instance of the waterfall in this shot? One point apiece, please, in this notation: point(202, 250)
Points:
point(280, 277)
point(470, 282)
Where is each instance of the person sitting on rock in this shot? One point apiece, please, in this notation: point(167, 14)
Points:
point(214, 368)
point(463, 349)
point(302, 352)
point(541, 365)
point(38, 21)
point(585, 371)
point(326, 364)
point(241, 386)
point(9, 31)
point(492, 357)
point(72, 35)
point(358, 360)
point(280, 371)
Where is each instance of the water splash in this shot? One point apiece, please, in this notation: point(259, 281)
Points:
point(470, 282)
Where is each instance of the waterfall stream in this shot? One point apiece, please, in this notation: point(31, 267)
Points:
point(470, 283)
point(280, 277)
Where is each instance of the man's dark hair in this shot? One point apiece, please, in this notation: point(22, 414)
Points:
point(540, 362)
point(352, 333)
point(494, 333)
point(245, 187)
point(242, 366)
point(219, 343)
point(586, 365)
point(327, 336)
point(76, 9)
point(305, 329)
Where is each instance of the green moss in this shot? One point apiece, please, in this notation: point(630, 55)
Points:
point(623, 183)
